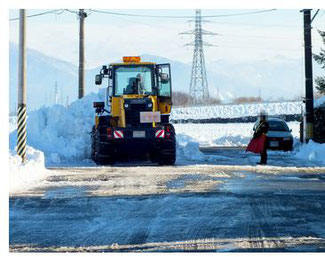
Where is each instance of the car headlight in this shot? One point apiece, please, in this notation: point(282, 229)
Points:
point(149, 105)
point(126, 105)
point(286, 138)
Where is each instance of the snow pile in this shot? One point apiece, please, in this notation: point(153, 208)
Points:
point(62, 133)
point(230, 134)
point(312, 152)
point(236, 110)
point(22, 176)
point(187, 149)
point(12, 123)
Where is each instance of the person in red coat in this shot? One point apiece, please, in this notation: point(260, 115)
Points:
point(261, 131)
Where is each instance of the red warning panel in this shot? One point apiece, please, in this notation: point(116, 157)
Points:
point(118, 134)
point(160, 133)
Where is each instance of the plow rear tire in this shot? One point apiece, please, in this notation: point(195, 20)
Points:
point(101, 152)
point(166, 154)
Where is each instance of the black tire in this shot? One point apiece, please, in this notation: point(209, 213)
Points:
point(101, 152)
point(166, 154)
point(289, 149)
point(93, 131)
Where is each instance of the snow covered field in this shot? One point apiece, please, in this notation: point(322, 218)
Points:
point(230, 134)
point(236, 110)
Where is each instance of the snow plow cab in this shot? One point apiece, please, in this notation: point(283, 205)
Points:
point(135, 124)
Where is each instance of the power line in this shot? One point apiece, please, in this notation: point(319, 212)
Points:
point(75, 12)
point(143, 15)
point(179, 17)
point(238, 14)
point(39, 14)
point(314, 15)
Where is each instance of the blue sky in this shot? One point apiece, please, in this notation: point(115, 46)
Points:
point(108, 37)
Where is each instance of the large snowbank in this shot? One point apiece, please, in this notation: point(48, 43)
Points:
point(236, 111)
point(22, 176)
point(63, 134)
point(311, 152)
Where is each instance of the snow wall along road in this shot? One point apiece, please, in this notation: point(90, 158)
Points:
point(63, 134)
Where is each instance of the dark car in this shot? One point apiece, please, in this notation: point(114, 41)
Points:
point(279, 136)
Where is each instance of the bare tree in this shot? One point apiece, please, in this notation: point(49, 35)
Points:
point(251, 99)
point(180, 98)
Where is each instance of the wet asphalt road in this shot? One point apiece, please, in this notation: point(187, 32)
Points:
point(246, 211)
point(238, 156)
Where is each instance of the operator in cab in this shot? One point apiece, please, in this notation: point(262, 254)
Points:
point(135, 85)
point(132, 87)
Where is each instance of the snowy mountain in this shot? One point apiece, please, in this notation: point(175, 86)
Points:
point(42, 73)
point(279, 78)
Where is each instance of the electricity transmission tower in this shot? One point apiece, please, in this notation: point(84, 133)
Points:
point(199, 91)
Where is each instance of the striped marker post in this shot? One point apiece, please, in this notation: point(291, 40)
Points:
point(21, 122)
point(21, 137)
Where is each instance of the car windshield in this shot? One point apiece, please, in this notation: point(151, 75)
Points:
point(278, 126)
point(133, 80)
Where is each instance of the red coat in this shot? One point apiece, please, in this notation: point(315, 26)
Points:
point(256, 145)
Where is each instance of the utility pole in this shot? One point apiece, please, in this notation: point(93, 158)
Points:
point(21, 121)
point(67, 102)
point(309, 99)
point(56, 93)
point(218, 95)
point(82, 15)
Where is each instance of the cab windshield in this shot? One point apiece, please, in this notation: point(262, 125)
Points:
point(133, 80)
